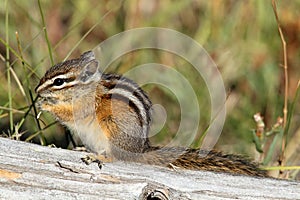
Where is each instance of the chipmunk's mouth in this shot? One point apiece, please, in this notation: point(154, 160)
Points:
point(45, 101)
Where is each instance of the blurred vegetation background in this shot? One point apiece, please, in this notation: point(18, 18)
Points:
point(241, 37)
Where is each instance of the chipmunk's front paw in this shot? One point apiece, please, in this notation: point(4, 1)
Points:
point(92, 158)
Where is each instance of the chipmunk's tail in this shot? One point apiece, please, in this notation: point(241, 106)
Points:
point(196, 159)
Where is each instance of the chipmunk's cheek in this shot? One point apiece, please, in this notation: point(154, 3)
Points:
point(61, 112)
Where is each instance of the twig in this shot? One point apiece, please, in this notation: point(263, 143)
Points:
point(285, 67)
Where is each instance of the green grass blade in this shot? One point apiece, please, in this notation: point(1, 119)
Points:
point(46, 33)
point(291, 111)
point(11, 117)
point(272, 148)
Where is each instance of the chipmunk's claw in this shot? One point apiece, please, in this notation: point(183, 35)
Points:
point(92, 159)
point(174, 167)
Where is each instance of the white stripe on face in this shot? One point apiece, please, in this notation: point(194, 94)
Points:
point(51, 81)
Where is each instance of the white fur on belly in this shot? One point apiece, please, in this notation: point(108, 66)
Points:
point(90, 134)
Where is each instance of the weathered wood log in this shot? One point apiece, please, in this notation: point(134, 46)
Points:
point(29, 171)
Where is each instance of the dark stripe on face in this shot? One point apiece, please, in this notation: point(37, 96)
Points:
point(66, 80)
point(128, 102)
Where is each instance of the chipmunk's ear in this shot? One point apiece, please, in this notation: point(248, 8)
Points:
point(90, 72)
point(87, 57)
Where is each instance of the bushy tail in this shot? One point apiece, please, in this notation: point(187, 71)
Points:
point(196, 159)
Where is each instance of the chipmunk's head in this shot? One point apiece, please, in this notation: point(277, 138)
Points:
point(76, 78)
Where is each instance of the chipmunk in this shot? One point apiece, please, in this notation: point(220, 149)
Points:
point(111, 115)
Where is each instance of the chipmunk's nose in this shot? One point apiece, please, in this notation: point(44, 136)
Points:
point(38, 88)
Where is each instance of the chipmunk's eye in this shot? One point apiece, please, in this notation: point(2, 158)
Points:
point(58, 81)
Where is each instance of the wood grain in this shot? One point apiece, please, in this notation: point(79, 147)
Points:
point(29, 171)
